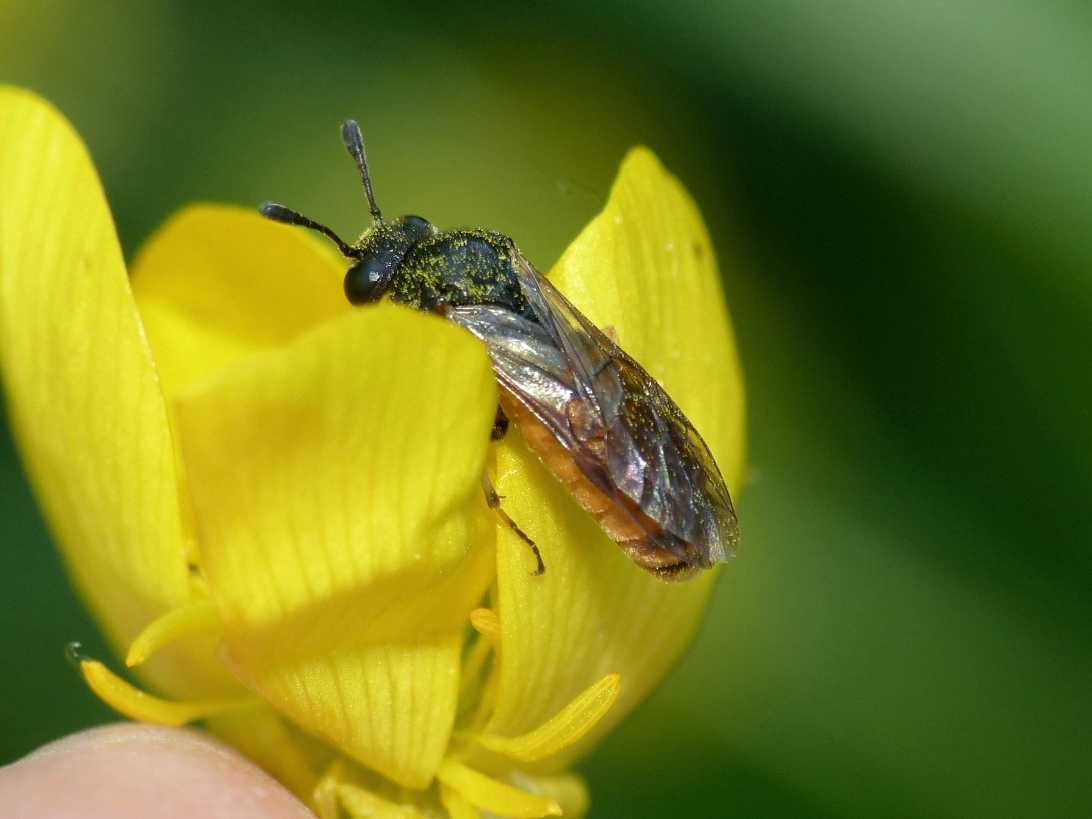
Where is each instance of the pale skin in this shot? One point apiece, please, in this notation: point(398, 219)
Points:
point(126, 771)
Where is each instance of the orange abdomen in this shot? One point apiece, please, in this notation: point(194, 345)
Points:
point(631, 529)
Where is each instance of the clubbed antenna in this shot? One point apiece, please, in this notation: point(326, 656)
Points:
point(279, 213)
point(354, 141)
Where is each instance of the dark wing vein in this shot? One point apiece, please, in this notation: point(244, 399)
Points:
point(654, 456)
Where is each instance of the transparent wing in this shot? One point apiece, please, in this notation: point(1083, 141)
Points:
point(527, 363)
point(624, 432)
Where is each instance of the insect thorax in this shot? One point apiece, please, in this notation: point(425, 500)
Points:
point(459, 268)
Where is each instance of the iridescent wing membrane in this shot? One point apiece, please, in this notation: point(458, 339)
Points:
point(621, 428)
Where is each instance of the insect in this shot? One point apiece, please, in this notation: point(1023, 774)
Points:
point(605, 428)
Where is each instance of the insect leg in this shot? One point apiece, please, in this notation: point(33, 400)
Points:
point(493, 500)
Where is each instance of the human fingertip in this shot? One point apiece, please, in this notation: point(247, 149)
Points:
point(130, 770)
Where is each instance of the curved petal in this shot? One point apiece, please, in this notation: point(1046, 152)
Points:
point(645, 267)
point(336, 488)
point(216, 283)
point(83, 395)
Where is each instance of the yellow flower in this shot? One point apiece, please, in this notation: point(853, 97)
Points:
point(270, 500)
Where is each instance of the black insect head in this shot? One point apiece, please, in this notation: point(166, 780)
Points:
point(378, 254)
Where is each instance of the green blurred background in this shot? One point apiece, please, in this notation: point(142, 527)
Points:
point(901, 197)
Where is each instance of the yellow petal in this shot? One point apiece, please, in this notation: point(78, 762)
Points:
point(217, 283)
point(645, 266)
point(82, 391)
point(337, 497)
point(566, 728)
point(489, 794)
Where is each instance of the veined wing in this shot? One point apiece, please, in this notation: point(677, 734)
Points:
point(623, 430)
point(526, 362)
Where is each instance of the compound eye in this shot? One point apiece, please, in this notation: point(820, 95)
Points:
point(367, 280)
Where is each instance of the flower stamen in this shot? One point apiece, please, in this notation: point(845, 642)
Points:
point(199, 617)
point(488, 794)
point(334, 793)
point(565, 728)
point(131, 702)
point(486, 623)
point(456, 805)
point(471, 677)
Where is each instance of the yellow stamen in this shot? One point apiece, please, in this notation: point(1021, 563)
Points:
point(487, 703)
point(456, 806)
point(135, 704)
point(489, 794)
point(333, 793)
point(470, 675)
point(569, 790)
point(362, 804)
point(486, 623)
point(198, 617)
point(569, 725)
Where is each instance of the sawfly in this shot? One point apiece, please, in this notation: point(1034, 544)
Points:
point(601, 424)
